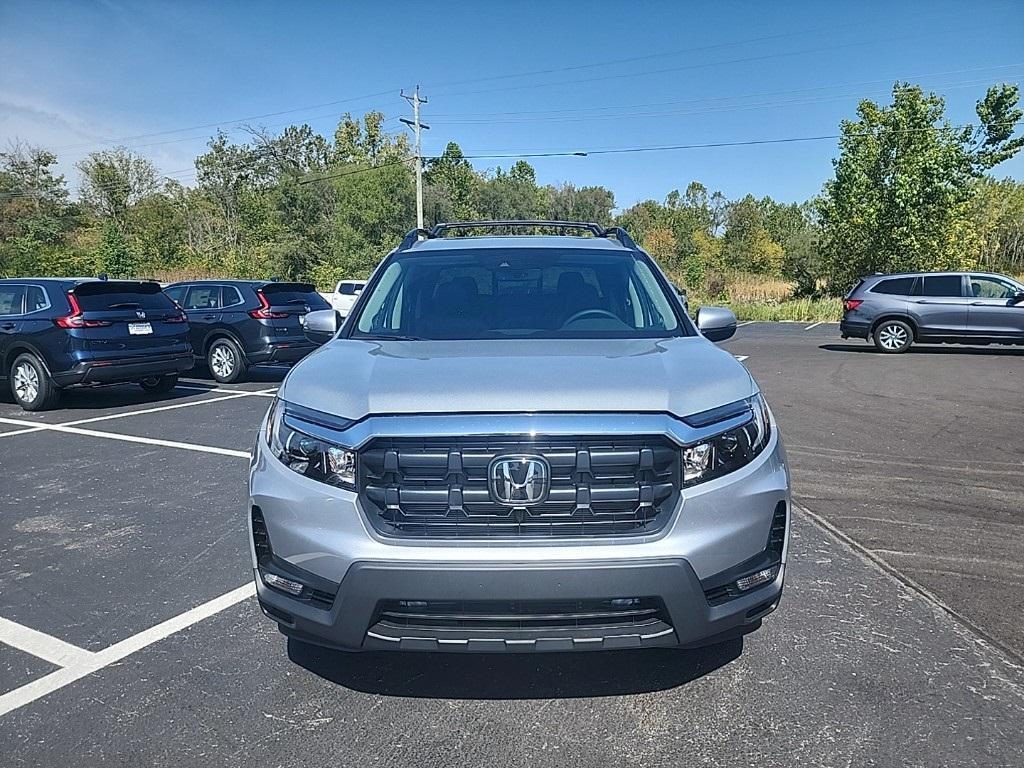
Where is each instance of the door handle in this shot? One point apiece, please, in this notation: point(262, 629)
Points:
point(978, 304)
point(209, 317)
point(7, 326)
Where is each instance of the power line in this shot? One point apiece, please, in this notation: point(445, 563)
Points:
point(698, 65)
point(719, 99)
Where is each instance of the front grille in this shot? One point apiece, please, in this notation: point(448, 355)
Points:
point(599, 486)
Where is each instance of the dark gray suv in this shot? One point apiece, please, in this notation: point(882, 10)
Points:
point(894, 311)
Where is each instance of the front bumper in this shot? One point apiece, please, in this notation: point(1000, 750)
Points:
point(322, 532)
point(123, 370)
point(354, 621)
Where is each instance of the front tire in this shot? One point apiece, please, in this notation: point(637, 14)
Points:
point(31, 385)
point(893, 337)
point(226, 361)
point(160, 385)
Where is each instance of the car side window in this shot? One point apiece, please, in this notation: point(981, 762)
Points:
point(948, 286)
point(898, 286)
point(230, 296)
point(176, 294)
point(203, 297)
point(12, 299)
point(985, 287)
point(347, 289)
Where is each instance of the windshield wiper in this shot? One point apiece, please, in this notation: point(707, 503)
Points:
point(393, 338)
point(125, 305)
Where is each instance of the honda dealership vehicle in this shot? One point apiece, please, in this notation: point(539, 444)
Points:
point(240, 323)
point(57, 333)
point(519, 443)
point(934, 307)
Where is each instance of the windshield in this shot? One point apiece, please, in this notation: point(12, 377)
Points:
point(515, 294)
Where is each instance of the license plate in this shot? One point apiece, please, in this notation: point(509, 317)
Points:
point(140, 329)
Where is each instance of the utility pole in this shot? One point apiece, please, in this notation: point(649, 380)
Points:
point(416, 125)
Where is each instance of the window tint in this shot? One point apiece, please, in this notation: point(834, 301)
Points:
point(11, 299)
point(230, 296)
point(35, 299)
point(900, 286)
point(347, 289)
point(984, 287)
point(943, 285)
point(299, 294)
point(203, 297)
point(177, 293)
point(100, 296)
point(518, 293)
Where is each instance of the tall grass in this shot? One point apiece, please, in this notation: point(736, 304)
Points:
point(760, 297)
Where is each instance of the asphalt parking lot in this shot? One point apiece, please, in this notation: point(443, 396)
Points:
point(130, 636)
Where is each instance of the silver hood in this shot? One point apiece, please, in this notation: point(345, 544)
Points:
point(353, 378)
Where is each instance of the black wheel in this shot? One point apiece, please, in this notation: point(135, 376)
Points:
point(31, 385)
point(226, 361)
point(893, 337)
point(160, 384)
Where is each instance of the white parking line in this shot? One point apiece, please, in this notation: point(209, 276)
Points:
point(814, 325)
point(129, 438)
point(41, 645)
point(86, 665)
point(748, 322)
point(38, 427)
point(741, 358)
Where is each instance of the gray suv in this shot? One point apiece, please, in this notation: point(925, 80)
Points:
point(518, 443)
point(934, 307)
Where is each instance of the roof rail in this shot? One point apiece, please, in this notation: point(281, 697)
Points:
point(412, 238)
point(622, 236)
point(440, 229)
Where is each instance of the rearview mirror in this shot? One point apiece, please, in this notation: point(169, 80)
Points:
point(716, 323)
point(320, 326)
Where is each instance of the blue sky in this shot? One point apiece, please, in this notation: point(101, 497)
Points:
point(78, 76)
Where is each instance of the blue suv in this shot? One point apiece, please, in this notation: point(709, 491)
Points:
point(58, 333)
point(236, 324)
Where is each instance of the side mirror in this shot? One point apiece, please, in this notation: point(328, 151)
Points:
point(1018, 299)
point(320, 326)
point(716, 323)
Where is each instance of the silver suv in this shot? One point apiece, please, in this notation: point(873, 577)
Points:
point(519, 443)
point(934, 307)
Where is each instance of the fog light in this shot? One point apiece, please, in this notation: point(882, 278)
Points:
point(285, 585)
point(757, 579)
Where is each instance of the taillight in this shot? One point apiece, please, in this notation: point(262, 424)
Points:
point(851, 304)
point(181, 317)
point(75, 319)
point(264, 313)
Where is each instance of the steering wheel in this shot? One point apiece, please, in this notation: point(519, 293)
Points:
point(584, 312)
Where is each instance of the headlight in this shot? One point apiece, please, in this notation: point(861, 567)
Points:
point(307, 455)
point(730, 450)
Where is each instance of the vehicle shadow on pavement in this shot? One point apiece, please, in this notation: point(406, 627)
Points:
point(513, 676)
point(926, 350)
point(270, 374)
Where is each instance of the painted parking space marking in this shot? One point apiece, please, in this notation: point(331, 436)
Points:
point(741, 358)
point(84, 665)
point(814, 325)
point(39, 427)
point(129, 438)
point(41, 645)
point(747, 322)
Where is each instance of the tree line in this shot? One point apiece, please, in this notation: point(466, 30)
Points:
point(909, 191)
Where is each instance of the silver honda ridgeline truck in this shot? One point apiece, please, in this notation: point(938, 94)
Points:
point(518, 443)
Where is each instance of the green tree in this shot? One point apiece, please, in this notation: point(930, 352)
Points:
point(901, 196)
point(451, 186)
point(113, 255)
point(114, 181)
